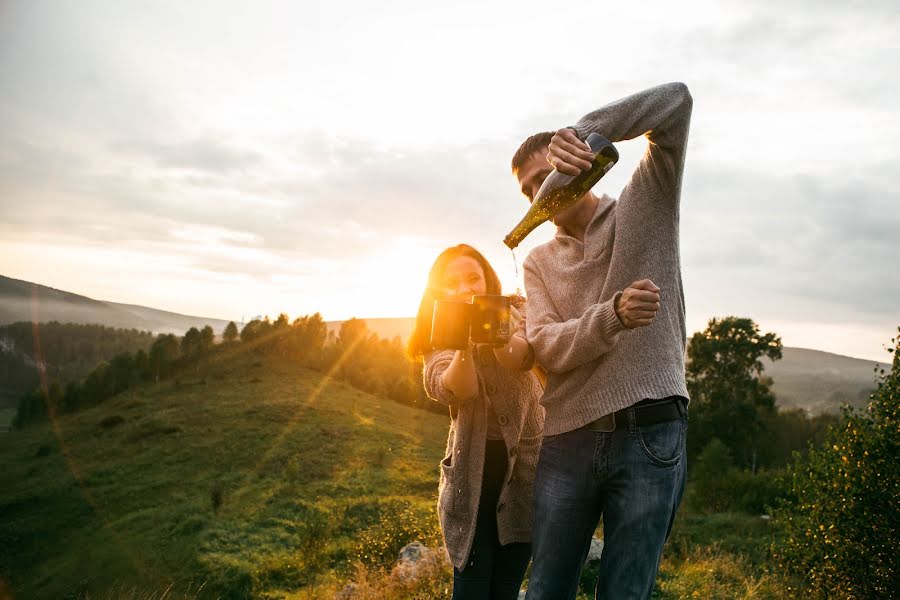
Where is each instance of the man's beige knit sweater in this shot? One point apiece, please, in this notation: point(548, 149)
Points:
point(595, 366)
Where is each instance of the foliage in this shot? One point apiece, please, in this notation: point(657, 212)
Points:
point(399, 524)
point(842, 526)
point(730, 399)
point(718, 486)
point(67, 351)
point(231, 333)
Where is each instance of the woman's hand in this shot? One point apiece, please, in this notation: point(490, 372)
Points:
point(514, 354)
point(516, 321)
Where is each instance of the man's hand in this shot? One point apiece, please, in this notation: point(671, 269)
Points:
point(567, 154)
point(638, 304)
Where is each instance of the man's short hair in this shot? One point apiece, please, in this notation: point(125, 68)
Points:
point(535, 143)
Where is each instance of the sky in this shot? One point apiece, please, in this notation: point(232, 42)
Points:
point(234, 159)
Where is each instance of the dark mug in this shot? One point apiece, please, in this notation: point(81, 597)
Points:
point(490, 319)
point(450, 325)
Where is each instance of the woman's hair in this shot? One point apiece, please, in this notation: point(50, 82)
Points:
point(420, 341)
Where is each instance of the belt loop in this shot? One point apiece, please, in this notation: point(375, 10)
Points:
point(632, 420)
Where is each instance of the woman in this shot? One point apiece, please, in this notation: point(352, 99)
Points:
point(487, 475)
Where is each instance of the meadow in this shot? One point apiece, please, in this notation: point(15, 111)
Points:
point(268, 480)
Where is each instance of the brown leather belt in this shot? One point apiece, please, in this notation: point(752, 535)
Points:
point(646, 412)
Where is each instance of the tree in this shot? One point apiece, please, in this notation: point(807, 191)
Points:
point(730, 398)
point(163, 353)
point(231, 333)
point(841, 528)
point(190, 343)
point(207, 339)
point(352, 332)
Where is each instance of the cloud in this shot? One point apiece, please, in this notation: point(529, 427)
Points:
point(809, 238)
point(205, 154)
point(252, 161)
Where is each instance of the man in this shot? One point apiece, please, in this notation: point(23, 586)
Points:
point(616, 398)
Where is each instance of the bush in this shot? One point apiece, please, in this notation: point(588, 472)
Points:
point(841, 528)
point(400, 524)
point(717, 486)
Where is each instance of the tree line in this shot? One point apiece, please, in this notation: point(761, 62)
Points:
point(65, 351)
point(354, 354)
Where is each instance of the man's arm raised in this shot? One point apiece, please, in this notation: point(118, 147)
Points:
point(662, 113)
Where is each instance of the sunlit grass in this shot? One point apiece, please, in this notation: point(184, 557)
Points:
point(267, 480)
point(188, 479)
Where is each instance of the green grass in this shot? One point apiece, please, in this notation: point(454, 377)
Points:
point(262, 480)
point(268, 482)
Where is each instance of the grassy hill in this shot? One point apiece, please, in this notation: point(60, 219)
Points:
point(267, 479)
point(26, 301)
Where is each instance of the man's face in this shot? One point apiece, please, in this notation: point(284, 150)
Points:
point(532, 174)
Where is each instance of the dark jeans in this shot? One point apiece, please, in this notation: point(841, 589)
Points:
point(634, 478)
point(494, 572)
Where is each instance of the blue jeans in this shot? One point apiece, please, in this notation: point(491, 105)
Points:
point(634, 478)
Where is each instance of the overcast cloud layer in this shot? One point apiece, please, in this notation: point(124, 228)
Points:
point(229, 161)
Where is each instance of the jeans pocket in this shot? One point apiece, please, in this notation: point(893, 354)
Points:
point(662, 443)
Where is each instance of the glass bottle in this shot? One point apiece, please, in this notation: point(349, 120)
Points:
point(560, 191)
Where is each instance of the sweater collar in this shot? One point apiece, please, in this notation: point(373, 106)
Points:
point(604, 204)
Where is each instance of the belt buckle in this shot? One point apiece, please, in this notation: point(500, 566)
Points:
point(605, 424)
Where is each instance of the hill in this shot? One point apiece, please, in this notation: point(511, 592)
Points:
point(264, 480)
point(820, 382)
point(26, 301)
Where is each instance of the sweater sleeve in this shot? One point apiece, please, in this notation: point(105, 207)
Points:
point(435, 364)
point(559, 345)
point(663, 114)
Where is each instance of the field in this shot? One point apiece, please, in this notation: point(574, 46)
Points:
point(264, 481)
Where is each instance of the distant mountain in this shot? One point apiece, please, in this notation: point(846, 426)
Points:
point(26, 301)
point(819, 381)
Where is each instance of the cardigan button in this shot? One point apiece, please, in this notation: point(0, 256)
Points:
point(491, 389)
point(502, 419)
point(513, 450)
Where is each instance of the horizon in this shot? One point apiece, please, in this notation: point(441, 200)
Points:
point(206, 159)
point(881, 360)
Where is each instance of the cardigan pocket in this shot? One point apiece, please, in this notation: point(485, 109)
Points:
point(522, 482)
point(447, 492)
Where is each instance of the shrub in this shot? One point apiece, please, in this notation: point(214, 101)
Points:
point(400, 524)
point(841, 528)
point(717, 486)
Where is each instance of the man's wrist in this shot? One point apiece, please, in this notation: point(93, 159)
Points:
point(616, 300)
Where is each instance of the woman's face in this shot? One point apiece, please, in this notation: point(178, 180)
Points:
point(463, 278)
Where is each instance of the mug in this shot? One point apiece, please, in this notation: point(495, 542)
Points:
point(450, 324)
point(490, 319)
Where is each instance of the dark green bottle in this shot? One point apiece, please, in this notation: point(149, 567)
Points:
point(560, 191)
